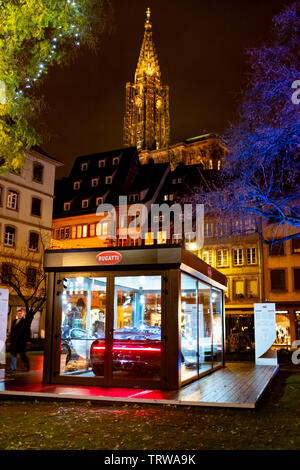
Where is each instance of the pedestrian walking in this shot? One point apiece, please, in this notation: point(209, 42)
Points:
point(19, 335)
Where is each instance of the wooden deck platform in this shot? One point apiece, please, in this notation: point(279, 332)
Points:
point(238, 385)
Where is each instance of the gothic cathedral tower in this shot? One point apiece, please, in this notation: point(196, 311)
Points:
point(147, 118)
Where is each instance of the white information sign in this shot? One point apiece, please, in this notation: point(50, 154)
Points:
point(265, 334)
point(4, 296)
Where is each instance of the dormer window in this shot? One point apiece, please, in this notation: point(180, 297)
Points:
point(94, 182)
point(76, 185)
point(108, 180)
point(101, 163)
point(174, 181)
point(134, 197)
point(84, 166)
point(67, 206)
point(99, 201)
point(85, 203)
point(179, 180)
point(116, 161)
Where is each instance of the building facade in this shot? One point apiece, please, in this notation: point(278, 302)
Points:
point(282, 283)
point(147, 117)
point(26, 206)
point(206, 150)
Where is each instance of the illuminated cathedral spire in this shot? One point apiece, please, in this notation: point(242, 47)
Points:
point(147, 121)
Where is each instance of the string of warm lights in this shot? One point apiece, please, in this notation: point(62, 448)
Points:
point(42, 67)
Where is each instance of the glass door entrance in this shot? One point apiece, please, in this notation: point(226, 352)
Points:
point(83, 320)
point(111, 333)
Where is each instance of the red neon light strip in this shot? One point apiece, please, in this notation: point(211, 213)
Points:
point(115, 348)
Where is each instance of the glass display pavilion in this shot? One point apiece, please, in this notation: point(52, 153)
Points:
point(135, 317)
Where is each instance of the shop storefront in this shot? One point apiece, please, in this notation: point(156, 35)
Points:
point(140, 317)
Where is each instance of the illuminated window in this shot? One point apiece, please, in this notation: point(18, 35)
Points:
point(149, 238)
point(92, 230)
point(162, 237)
point(207, 257)
point(79, 231)
point(252, 288)
point(238, 259)
point(12, 200)
point(74, 231)
point(98, 229)
point(251, 255)
point(238, 288)
point(222, 258)
point(104, 228)
point(84, 231)
point(67, 232)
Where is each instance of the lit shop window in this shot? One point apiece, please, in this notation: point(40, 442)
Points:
point(74, 231)
point(251, 255)
point(137, 328)
point(238, 259)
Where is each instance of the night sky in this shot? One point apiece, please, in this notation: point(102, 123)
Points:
point(201, 50)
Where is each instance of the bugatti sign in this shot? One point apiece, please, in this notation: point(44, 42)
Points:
point(109, 257)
